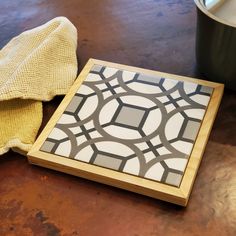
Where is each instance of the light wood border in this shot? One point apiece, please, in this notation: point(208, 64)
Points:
point(136, 184)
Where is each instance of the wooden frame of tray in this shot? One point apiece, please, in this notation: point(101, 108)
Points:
point(178, 195)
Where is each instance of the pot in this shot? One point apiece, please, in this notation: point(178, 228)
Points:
point(216, 40)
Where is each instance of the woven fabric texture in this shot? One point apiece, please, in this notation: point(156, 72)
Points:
point(34, 67)
point(20, 122)
point(39, 63)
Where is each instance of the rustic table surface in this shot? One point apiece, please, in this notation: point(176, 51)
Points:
point(154, 34)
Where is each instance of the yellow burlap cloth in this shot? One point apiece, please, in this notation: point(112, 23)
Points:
point(34, 66)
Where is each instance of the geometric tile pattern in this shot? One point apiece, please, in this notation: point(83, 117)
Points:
point(133, 123)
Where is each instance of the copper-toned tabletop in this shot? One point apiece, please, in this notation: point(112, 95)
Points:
point(154, 34)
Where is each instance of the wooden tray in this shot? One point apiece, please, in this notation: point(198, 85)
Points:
point(136, 129)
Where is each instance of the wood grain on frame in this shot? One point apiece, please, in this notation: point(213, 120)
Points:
point(136, 184)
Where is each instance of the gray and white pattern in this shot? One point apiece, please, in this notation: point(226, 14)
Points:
point(134, 123)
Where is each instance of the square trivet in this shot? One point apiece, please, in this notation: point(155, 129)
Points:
point(132, 128)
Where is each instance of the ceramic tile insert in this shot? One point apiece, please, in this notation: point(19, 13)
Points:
point(134, 123)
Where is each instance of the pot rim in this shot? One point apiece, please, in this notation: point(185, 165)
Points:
point(199, 4)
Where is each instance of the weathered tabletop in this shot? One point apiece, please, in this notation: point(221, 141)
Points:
point(154, 34)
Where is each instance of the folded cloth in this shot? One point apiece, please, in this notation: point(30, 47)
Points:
point(19, 122)
point(38, 64)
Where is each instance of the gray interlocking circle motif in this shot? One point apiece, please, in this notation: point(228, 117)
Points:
point(134, 123)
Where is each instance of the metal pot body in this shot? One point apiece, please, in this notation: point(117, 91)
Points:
point(216, 49)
